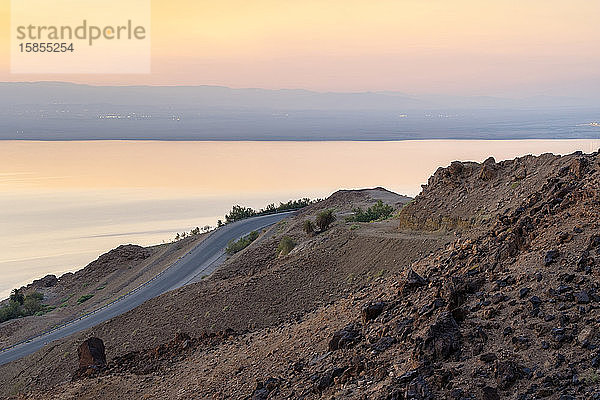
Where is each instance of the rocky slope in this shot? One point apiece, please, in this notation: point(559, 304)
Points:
point(506, 307)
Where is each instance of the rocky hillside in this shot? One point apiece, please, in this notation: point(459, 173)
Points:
point(505, 307)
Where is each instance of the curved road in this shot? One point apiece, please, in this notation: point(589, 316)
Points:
point(183, 271)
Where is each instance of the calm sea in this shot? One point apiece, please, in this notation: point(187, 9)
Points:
point(64, 203)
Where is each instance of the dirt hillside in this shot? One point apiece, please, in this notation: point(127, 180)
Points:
point(486, 286)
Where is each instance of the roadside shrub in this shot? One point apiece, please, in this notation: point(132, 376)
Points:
point(238, 212)
point(17, 296)
point(20, 305)
point(84, 298)
point(32, 304)
point(9, 311)
point(237, 245)
point(285, 246)
point(378, 212)
point(324, 219)
point(309, 227)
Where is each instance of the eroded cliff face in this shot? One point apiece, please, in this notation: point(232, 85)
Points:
point(467, 194)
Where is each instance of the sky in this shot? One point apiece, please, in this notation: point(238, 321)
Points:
point(511, 48)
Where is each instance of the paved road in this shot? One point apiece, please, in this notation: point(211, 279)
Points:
point(200, 259)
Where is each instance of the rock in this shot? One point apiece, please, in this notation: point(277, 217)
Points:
point(404, 328)
point(586, 335)
point(372, 311)
point(455, 168)
point(550, 257)
point(323, 381)
point(489, 393)
point(535, 301)
point(413, 281)
point(47, 281)
point(92, 358)
point(442, 339)
point(408, 376)
point(507, 373)
point(578, 167)
point(520, 175)
point(524, 292)
point(582, 297)
point(490, 161)
point(264, 389)
point(486, 172)
point(345, 338)
point(594, 242)
point(92, 353)
point(383, 344)
point(488, 357)
point(418, 389)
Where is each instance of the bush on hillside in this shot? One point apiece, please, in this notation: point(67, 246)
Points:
point(324, 219)
point(237, 245)
point(84, 298)
point(285, 246)
point(20, 305)
point(378, 212)
point(308, 227)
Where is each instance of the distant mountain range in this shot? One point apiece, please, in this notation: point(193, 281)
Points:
point(67, 111)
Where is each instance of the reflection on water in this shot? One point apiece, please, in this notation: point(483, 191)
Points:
point(64, 203)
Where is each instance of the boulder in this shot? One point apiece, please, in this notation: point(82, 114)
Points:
point(92, 354)
point(92, 358)
point(442, 339)
point(413, 281)
point(372, 311)
point(345, 338)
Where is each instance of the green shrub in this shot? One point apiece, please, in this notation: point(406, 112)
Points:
point(235, 246)
point(285, 246)
point(20, 305)
point(84, 298)
point(378, 212)
point(309, 227)
point(17, 296)
point(238, 212)
point(324, 219)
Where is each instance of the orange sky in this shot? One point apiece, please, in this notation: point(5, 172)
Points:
point(502, 47)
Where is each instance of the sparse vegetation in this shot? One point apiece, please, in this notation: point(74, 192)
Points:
point(20, 305)
point(308, 227)
point(238, 212)
point(285, 246)
point(324, 219)
point(237, 245)
point(84, 298)
point(378, 212)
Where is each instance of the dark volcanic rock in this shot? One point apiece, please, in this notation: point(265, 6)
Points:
point(372, 311)
point(550, 257)
point(413, 281)
point(92, 353)
point(345, 338)
point(264, 389)
point(507, 373)
point(418, 389)
point(92, 357)
point(489, 393)
point(442, 339)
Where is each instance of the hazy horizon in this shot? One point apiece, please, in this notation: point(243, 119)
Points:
point(464, 47)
